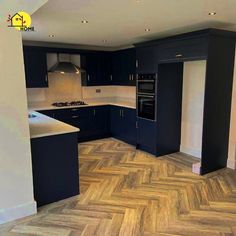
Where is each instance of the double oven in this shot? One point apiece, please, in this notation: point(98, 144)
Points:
point(146, 96)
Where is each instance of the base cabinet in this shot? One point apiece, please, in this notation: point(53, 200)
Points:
point(123, 124)
point(55, 176)
point(99, 122)
point(147, 135)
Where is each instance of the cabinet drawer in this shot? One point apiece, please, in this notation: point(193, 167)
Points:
point(62, 114)
point(82, 112)
point(185, 49)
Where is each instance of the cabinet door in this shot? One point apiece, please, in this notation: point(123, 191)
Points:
point(183, 50)
point(93, 122)
point(92, 70)
point(146, 59)
point(117, 127)
point(123, 67)
point(117, 70)
point(84, 124)
point(147, 136)
point(98, 69)
point(128, 60)
point(101, 120)
point(35, 68)
point(129, 125)
point(105, 69)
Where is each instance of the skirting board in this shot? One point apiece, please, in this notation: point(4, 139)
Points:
point(190, 151)
point(17, 212)
point(231, 164)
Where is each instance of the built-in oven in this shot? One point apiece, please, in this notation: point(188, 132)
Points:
point(146, 83)
point(146, 96)
point(146, 106)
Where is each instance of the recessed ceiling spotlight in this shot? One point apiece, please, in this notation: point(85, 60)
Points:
point(51, 35)
point(212, 13)
point(84, 21)
point(147, 30)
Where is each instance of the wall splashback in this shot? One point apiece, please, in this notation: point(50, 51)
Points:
point(67, 87)
point(61, 88)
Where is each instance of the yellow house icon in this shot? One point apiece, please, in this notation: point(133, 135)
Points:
point(20, 20)
point(17, 20)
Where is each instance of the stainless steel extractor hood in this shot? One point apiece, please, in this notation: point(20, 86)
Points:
point(65, 65)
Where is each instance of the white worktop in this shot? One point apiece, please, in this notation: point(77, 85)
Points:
point(42, 126)
point(44, 106)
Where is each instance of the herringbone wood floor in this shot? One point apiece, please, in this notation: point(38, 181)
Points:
point(127, 192)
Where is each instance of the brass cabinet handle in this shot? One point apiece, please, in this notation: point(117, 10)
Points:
point(111, 77)
point(137, 63)
point(120, 112)
point(94, 112)
point(88, 78)
point(74, 117)
point(178, 55)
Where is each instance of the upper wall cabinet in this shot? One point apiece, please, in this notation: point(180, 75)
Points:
point(183, 49)
point(35, 68)
point(98, 68)
point(146, 59)
point(123, 67)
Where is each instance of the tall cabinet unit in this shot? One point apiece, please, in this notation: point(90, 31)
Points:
point(147, 63)
point(217, 104)
point(217, 47)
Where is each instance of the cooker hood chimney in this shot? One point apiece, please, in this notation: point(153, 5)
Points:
point(65, 65)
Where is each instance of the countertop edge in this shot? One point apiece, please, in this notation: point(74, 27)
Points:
point(71, 107)
point(40, 119)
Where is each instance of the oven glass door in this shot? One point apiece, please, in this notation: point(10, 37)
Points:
point(147, 86)
point(146, 107)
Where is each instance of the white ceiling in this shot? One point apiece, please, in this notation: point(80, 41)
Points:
point(123, 22)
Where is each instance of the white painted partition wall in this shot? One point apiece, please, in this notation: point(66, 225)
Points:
point(16, 186)
point(192, 107)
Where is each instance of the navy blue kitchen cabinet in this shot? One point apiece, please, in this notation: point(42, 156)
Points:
point(49, 113)
point(93, 122)
point(147, 135)
point(146, 59)
point(123, 124)
point(55, 176)
point(116, 122)
point(130, 132)
point(183, 49)
point(98, 69)
point(35, 68)
point(123, 67)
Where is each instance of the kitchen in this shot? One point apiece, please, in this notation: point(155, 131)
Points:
point(117, 134)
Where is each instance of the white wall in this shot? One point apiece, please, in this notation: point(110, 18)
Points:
point(232, 137)
point(16, 187)
point(192, 107)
